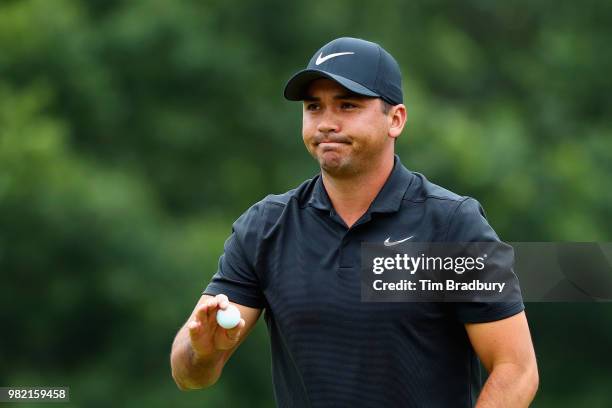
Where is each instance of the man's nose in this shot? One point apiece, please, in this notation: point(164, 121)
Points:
point(329, 122)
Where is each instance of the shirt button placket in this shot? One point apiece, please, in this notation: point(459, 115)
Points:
point(345, 251)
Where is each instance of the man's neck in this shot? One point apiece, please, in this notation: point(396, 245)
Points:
point(351, 197)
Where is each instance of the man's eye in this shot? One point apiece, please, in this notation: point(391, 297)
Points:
point(347, 105)
point(312, 107)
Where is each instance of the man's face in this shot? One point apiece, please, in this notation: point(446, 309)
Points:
point(345, 132)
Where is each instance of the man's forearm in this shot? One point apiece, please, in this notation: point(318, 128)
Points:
point(509, 385)
point(191, 371)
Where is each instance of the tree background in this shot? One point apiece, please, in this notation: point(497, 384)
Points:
point(133, 133)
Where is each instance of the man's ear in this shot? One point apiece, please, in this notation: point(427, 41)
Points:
point(397, 119)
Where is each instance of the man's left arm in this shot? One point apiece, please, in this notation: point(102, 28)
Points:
point(505, 349)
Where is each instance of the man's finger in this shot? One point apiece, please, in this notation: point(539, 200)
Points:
point(201, 314)
point(213, 307)
point(193, 327)
point(205, 310)
point(222, 300)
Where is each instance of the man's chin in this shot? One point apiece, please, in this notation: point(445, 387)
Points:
point(336, 166)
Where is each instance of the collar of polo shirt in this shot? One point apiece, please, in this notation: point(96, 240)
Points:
point(388, 199)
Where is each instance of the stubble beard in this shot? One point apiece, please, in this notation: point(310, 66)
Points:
point(332, 163)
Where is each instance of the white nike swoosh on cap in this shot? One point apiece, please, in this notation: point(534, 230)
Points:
point(321, 59)
point(389, 243)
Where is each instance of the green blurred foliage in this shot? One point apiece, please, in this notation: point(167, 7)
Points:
point(133, 133)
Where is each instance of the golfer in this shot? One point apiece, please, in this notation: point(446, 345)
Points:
point(296, 256)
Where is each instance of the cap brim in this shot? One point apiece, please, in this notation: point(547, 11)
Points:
point(296, 87)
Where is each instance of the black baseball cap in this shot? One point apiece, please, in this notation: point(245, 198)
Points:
point(360, 66)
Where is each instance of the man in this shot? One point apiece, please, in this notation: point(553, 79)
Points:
point(297, 256)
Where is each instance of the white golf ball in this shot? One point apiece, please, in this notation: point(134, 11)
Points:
point(228, 318)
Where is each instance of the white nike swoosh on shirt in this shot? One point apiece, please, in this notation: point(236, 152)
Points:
point(321, 59)
point(389, 243)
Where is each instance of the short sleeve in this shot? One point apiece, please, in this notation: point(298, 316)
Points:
point(236, 274)
point(469, 224)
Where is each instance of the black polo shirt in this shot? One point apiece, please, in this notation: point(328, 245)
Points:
point(292, 255)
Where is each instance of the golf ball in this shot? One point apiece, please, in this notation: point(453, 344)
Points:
point(228, 318)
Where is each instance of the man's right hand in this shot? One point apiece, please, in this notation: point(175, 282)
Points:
point(202, 347)
point(207, 337)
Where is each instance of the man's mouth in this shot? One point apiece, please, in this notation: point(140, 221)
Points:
point(328, 143)
point(333, 142)
point(329, 146)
